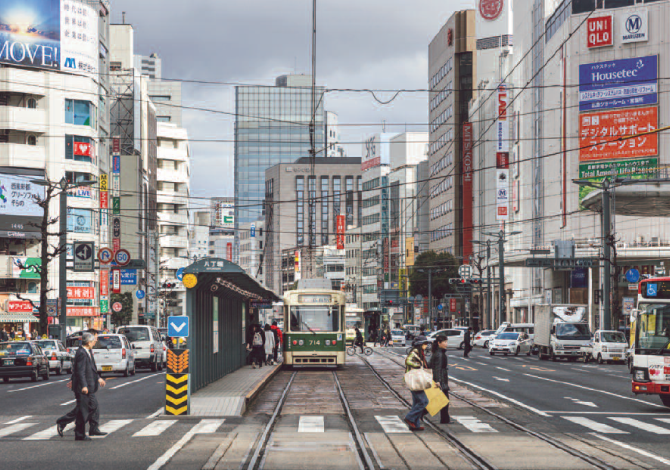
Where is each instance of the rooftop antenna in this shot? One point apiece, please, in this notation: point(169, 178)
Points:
point(123, 15)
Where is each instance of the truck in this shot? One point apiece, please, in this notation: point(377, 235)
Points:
point(561, 330)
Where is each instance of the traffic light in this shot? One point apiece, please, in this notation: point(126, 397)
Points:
point(476, 281)
point(169, 285)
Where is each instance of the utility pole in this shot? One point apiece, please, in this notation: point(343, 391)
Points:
point(62, 263)
point(605, 322)
point(488, 283)
point(501, 274)
point(430, 299)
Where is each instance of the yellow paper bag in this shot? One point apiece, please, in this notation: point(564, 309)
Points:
point(436, 399)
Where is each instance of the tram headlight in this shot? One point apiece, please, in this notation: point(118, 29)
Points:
point(301, 342)
point(327, 342)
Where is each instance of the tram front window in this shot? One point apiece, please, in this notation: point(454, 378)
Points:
point(315, 318)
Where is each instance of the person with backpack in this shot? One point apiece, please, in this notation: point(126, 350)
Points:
point(257, 347)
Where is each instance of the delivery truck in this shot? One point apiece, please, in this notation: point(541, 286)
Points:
point(561, 331)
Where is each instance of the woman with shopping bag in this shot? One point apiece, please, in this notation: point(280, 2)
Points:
point(417, 378)
point(440, 367)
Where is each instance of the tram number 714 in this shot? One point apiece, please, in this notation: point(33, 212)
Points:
point(316, 342)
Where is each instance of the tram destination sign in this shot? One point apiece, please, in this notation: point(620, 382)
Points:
point(314, 299)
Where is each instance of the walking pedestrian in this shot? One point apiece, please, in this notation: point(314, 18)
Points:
point(85, 383)
point(359, 340)
point(3, 335)
point(388, 337)
point(257, 347)
point(269, 344)
point(278, 340)
point(467, 340)
point(12, 334)
point(416, 359)
point(440, 366)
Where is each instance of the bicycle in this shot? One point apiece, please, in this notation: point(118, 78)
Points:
point(427, 352)
point(351, 350)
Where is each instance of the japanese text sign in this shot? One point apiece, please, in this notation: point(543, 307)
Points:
point(599, 32)
point(79, 293)
point(340, 232)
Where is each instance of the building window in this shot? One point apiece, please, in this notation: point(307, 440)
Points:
point(163, 118)
point(324, 210)
point(81, 113)
point(349, 182)
point(81, 149)
point(300, 208)
point(337, 190)
point(31, 140)
point(31, 103)
point(160, 97)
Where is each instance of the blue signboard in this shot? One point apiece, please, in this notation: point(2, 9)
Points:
point(618, 83)
point(178, 327)
point(632, 275)
point(140, 294)
point(652, 290)
point(180, 274)
point(128, 277)
point(116, 164)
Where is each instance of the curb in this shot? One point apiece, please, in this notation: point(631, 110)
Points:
point(259, 388)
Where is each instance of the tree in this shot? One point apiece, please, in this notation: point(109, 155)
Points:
point(48, 252)
point(126, 314)
point(444, 267)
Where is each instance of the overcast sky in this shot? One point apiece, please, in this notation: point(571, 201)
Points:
point(377, 44)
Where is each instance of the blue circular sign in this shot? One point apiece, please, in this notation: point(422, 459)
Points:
point(180, 273)
point(140, 294)
point(440, 307)
point(632, 275)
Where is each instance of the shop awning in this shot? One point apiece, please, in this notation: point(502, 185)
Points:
point(18, 318)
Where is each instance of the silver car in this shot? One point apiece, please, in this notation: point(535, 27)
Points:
point(113, 354)
point(60, 360)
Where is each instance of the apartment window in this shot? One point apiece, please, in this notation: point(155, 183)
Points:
point(81, 113)
point(31, 140)
point(163, 118)
point(81, 149)
point(160, 97)
point(337, 191)
point(349, 181)
point(31, 103)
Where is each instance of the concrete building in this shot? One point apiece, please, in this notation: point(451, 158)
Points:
point(271, 127)
point(222, 212)
point(336, 186)
point(166, 95)
point(252, 249)
point(332, 136)
point(199, 235)
point(352, 265)
point(55, 125)
point(451, 67)
point(329, 264)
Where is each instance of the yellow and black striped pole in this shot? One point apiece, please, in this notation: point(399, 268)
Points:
point(176, 383)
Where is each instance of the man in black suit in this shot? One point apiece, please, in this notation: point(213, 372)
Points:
point(467, 345)
point(85, 383)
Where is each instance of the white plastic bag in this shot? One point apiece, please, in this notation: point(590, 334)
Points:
point(419, 379)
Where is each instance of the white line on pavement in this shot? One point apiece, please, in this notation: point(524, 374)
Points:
point(511, 400)
point(474, 424)
point(392, 424)
point(595, 390)
point(601, 413)
point(155, 429)
point(14, 421)
point(68, 402)
point(206, 426)
point(135, 381)
point(113, 425)
point(502, 368)
point(501, 379)
point(47, 433)
point(156, 413)
point(15, 428)
point(35, 386)
point(594, 425)
point(640, 425)
point(481, 363)
point(634, 449)
point(311, 424)
point(664, 420)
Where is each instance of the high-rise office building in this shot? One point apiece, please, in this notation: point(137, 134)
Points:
point(271, 127)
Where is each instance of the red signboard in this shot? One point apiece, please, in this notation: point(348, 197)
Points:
point(104, 283)
point(467, 190)
point(84, 149)
point(371, 163)
point(116, 145)
point(83, 311)
point(599, 32)
point(229, 251)
point(78, 293)
point(116, 244)
point(116, 281)
point(452, 305)
point(490, 9)
point(104, 200)
point(340, 232)
point(600, 134)
point(19, 306)
point(502, 160)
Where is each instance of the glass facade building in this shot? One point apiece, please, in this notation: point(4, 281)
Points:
point(271, 127)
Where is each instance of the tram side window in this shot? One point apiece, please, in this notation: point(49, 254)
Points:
point(315, 318)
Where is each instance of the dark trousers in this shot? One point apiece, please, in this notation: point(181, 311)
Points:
point(275, 352)
point(87, 407)
point(71, 416)
point(258, 355)
point(466, 350)
point(444, 412)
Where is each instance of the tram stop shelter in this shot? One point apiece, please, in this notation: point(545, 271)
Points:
point(218, 306)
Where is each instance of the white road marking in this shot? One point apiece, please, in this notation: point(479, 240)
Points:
point(602, 413)
point(634, 449)
point(113, 425)
point(156, 428)
point(47, 433)
point(311, 424)
point(641, 425)
point(14, 421)
point(504, 397)
point(156, 413)
point(579, 402)
point(135, 381)
point(15, 428)
point(663, 420)
point(501, 379)
point(35, 386)
point(474, 424)
point(596, 390)
point(205, 426)
point(392, 424)
point(486, 357)
point(481, 363)
point(68, 402)
point(502, 368)
point(594, 425)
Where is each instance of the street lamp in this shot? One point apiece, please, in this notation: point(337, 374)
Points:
point(64, 185)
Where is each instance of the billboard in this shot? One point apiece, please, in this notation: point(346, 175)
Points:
point(26, 268)
point(502, 126)
point(642, 168)
point(502, 195)
point(19, 212)
point(599, 32)
point(600, 134)
point(618, 83)
point(376, 151)
point(49, 34)
point(467, 189)
point(340, 232)
point(634, 26)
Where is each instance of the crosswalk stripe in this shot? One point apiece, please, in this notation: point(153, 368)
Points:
point(206, 426)
point(311, 424)
point(22, 418)
point(156, 428)
point(641, 425)
point(47, 433)
point(663, 420)
point(474, 424)
point(113, 425)
point(14, 428)
point(392, 424)
point(594, 425)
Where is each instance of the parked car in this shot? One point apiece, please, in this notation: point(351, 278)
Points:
point(113, 353)
point(59, 359)
point(455, 337)
point(482, 338)
point(22, 359)
point(72, 343)
point(146, 341)
point(607, 346)
point(398, 337)
point(511, 343)
point(411, 331)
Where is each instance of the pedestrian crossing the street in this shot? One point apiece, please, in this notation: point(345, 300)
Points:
point(621, 425)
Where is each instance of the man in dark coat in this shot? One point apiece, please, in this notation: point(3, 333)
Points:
point(85, 383)
point(468, 342)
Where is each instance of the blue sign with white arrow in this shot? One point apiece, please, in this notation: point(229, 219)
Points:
point(178, 327)
point(180, 273)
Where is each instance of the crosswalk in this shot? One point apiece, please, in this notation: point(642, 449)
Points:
point(621, 425)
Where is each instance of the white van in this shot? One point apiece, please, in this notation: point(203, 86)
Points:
point(146, 341)
point(608, 346)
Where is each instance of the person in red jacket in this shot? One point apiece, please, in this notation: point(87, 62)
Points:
point(278, 339)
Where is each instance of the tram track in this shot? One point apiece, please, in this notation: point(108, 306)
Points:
point(472, 456)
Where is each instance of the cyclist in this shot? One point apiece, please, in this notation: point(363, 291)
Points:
point(359, 340)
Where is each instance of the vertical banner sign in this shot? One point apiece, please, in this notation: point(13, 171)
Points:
point(599, 32)
point(502, 129)
point(385, 227)
point(116, 205)
point(467, 190)
point(409, 248)
point(502, 195)
point(104, 283)
point(229, 251)
point(296, 265)
point(116, 281)
point(116, 234)
point(453, 307)
point(340, 232)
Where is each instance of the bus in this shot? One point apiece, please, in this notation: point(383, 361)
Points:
point(314, 316)
point(650, 339)
point(353, 319)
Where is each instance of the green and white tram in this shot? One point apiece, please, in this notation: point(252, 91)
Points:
point(314, 317)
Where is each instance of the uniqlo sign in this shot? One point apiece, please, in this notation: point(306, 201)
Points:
point(599, 32)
